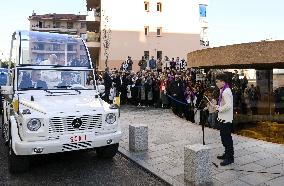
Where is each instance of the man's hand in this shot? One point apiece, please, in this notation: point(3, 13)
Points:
point(216, 107)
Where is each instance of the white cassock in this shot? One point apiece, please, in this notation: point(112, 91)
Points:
point(197, 112)
point(129, 91)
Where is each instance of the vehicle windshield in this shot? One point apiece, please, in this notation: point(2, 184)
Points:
point(3, 76)
point(54, 79)
point(45, 49)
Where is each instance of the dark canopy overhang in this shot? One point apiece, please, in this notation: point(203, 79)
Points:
point(258, 55)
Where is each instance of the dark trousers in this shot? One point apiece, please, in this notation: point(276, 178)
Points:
point(226, 138)
point(107, 92)
point(178, 108)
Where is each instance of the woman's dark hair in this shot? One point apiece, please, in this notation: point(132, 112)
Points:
point(222, 77)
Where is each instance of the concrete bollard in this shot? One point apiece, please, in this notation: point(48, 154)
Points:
point(197, 164)
point(138, 137)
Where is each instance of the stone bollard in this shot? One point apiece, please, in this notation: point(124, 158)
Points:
point(197, 164)
point(138, 137)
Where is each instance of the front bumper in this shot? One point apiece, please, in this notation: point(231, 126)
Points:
point(63, 143)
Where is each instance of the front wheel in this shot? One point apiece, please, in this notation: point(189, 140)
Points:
point(107, 152)
point(16, 163)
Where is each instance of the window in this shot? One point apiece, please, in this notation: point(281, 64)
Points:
point(83, 25)
point(56, 25)
point(159, 31)
point(202, 10)
point(146, 6)
point(40, 24)
point(146, 55)
point(159, 55)
point(83, 36)
point(70, 47)
point(146, 30)
point(159, 7)
point(69, 25)
point(82, 47)
point(40, 46)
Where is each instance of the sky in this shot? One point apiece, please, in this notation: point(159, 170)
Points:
point(14, 14)
point(243, 21)
point(230, 21)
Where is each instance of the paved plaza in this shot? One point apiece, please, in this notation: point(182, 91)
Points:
point(169, 134)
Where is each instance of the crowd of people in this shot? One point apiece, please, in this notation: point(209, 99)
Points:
point(169, 84)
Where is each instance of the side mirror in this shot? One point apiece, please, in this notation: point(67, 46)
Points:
point(101, 89)
point(7, 90)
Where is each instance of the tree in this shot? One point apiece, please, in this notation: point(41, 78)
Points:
point(106, 36)
point(5, 64)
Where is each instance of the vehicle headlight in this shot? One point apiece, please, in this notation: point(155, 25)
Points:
point(34, 124)
point(110, 118)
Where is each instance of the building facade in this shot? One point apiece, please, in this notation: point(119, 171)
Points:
point(59, 23)
point(56, 23)
point(159, 28)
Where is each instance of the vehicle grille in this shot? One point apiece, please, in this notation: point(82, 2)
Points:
point(76, 146)
point(64, 124)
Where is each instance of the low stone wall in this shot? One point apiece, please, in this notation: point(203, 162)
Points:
point(262, 127)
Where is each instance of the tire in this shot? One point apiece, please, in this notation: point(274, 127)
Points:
point(5, 132)
point(2, 124)
point(17, 164)
point(107, 152)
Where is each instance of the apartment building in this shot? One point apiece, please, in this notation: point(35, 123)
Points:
point(56, 23)
point(147, 28)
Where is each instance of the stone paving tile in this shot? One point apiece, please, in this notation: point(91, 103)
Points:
point(250, 168)
point(161, 153)
point(167, 139)
point(164, 140)
point(264, 155)
point(276, 169)
point(164, 166)
point(255, 178)
point(175, 161)
point(180, 179)
point(175, 171)
point(157, 160)
point(228, 176)
point(276, 182)
point(160, 147)
point(246, 159)
point(236, 183)
point(269, 162)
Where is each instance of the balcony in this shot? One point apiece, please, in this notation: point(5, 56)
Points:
point(94, 15)
point(55, 29)
point(93, 39)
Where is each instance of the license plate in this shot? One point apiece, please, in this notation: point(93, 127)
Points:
point(78, 138)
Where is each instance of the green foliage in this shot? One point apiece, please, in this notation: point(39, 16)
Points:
point(5, 64)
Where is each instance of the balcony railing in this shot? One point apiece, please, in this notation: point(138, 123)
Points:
point(93, 37)
point(55, 29)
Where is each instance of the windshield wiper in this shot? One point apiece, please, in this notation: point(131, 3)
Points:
point(24, 65)
point(56, 66)
point(63, 86)
point(32, 88)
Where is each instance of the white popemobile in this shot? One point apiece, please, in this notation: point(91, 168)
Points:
point(51, 102)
